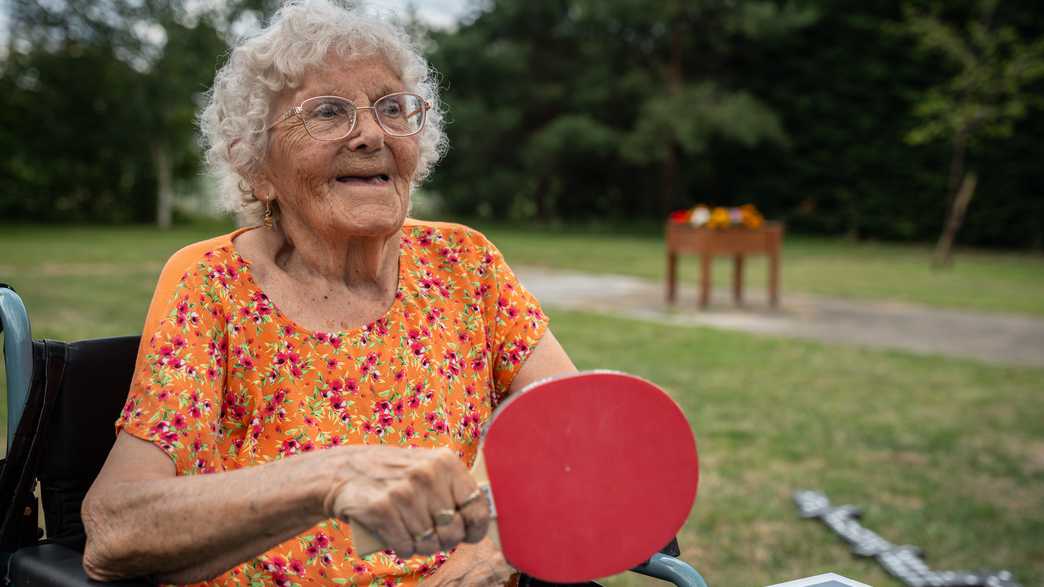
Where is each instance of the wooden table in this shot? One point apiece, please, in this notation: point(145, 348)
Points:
point(737, 242)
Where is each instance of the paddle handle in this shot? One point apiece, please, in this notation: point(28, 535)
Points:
point(367, 543)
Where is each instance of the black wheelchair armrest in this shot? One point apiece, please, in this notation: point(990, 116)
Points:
point(52, 565)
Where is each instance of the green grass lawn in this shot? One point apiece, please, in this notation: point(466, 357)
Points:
point(944, 454)
point(994, 282)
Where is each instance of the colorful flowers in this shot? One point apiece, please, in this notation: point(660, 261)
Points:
point(718, 218)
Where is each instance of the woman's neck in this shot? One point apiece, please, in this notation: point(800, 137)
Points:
point(367, 265)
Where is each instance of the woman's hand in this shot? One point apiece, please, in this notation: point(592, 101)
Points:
point(473, 564)
point(415, 501)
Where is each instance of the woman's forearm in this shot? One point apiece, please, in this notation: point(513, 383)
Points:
point(191, 528)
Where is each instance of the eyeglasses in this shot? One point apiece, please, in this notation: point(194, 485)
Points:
point(331, 118)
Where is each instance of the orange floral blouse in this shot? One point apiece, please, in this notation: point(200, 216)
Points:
point(224, 380)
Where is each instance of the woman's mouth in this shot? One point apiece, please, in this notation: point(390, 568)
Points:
point(378, 179)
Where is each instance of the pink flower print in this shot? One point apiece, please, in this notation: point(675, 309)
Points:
point(296, 371)
point(358, 569)
point(400, 375)
point(290, 446)
point(179, 422)
point(322, 337)
point(331, 363)
point(312, 551)
point(247, 362)
point(335, 342)
point(163, 395)
point(179, 341)
point(280, 579)
point(417, 348)
point(326, 559)
point(335, 440)
point(414, 400)
point(502, 302)
point(409, 432)
point(381, 326)
point(279, 396)
point(351, 385)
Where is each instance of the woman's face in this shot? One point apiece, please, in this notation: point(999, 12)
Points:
point(355, 186)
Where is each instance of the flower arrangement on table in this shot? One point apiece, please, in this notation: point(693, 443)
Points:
point(745, 216)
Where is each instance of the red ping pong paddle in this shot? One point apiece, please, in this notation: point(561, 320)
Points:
point(588, 475)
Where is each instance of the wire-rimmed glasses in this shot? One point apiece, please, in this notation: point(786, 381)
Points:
point(331, 118)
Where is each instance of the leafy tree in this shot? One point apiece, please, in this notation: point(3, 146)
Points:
point(986, 92)
point(121, 76)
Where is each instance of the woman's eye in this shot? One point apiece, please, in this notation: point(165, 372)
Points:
point(328, 110)
point(391, 108)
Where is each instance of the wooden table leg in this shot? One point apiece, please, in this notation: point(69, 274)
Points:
point(774, 278)
point(672, 276)
point(737, 280)
point(705, 279)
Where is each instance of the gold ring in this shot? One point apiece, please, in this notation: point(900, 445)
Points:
point(472, 497)
point(443, 517)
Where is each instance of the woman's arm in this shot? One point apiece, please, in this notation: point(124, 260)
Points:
point(547, 359)
point(141, 519)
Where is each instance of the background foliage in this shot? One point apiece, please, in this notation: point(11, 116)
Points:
point(580, 110)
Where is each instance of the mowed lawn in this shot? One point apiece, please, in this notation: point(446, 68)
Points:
point(979, 280)
point(943, 454)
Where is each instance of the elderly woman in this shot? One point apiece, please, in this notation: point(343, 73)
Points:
point(339, 353)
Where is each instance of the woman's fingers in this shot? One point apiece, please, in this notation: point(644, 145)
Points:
point(473, 508)
point(415, 501)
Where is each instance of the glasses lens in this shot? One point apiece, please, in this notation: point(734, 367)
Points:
point(328, 118)
point(401, 114)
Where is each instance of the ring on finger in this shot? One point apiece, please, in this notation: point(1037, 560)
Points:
point(444, 517)
point(472, 497)
point(426, 535)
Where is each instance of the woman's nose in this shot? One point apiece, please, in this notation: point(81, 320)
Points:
point(367, 135)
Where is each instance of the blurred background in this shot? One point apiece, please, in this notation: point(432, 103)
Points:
point(899, 142)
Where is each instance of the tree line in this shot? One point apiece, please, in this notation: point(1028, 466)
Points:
point(840, 117)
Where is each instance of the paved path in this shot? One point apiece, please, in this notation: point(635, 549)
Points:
point(997, 338)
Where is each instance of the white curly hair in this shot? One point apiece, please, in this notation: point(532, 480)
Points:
point(299, 36)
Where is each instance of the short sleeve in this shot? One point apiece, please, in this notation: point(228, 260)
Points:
point(176, 391)
point(514, 318)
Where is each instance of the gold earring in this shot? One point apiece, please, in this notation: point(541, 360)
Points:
point(267, 218)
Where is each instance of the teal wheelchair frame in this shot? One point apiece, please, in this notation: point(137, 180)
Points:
point(41, 375)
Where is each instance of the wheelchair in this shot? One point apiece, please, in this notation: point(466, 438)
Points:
point(63, 399)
